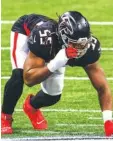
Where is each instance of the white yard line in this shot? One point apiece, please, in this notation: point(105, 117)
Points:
point(83, 78)
point(66, 110)
point(66, 78)
point(95, 118)
point(107, 49)
point(54, 132)
point(91, 22)
point(100, 23)
point(103, 48)
point(77, 137)
point(78, 125)
point(56, 135)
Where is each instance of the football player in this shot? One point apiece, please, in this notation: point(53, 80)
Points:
point(44, 47)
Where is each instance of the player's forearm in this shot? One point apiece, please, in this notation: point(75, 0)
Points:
point(105, 98)
point(36, 75)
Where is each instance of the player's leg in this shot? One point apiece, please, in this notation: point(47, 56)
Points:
point(47, 96)
point(14, 86)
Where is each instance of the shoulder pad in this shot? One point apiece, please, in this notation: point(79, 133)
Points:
point(41, 39)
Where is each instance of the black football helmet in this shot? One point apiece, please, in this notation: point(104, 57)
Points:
point(74, 27)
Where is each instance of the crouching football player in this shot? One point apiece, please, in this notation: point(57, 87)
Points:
point(44, 62)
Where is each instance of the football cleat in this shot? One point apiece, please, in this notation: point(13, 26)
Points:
point(35, 115)
point(108, 126)
point(6, 124)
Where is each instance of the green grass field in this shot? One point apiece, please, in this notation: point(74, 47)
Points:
point(75, 113)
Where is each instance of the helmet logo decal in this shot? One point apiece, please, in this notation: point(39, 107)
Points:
point(66, 25)
point(65, 28)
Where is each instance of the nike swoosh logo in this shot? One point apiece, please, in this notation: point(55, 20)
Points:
point(40, 122)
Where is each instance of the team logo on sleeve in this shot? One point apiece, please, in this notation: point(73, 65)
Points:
point(30, 40)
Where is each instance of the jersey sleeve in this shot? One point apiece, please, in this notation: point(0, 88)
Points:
point(38, 44)
point(92, 55)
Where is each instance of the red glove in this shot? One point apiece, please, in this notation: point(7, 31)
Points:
point(71, 52)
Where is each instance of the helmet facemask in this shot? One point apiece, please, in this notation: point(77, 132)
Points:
point(82, 45)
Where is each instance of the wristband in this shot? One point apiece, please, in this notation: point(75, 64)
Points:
point(59, 61)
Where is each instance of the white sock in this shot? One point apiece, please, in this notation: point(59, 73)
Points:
point(107, 115)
